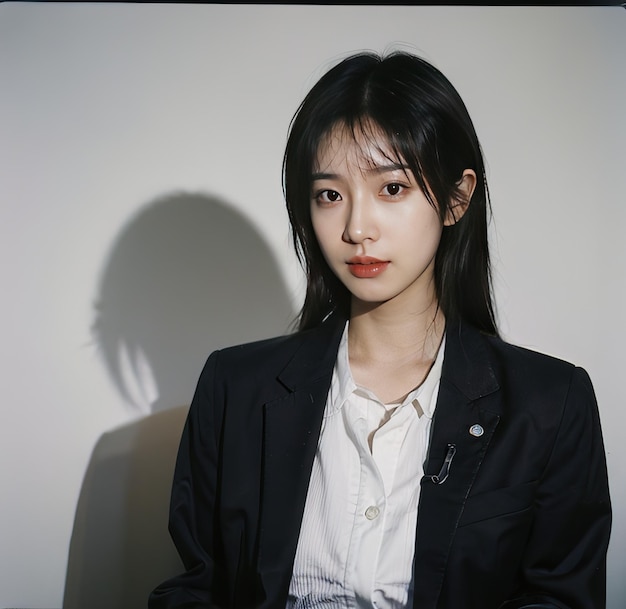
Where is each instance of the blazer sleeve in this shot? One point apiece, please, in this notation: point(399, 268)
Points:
point(193, 498)
point(565, 559)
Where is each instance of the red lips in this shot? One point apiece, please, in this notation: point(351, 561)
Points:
point(365, 267)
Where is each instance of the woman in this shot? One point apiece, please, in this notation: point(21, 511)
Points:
point(394, 452)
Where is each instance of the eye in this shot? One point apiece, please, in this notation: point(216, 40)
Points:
point(393, 189)
point(327, 196)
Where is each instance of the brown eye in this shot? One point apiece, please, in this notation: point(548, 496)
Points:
point(327, 196)
point(393, 189)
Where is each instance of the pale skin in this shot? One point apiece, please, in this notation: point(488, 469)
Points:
point(364, 205)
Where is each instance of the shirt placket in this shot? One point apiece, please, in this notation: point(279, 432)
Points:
point(377, 471)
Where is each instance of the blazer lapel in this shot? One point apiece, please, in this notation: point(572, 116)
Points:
point(292, 428)
point(467, 421)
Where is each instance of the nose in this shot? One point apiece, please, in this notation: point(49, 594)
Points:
point(360, 222)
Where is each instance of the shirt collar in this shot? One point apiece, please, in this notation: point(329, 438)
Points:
point(427, 392)
point(343, 385)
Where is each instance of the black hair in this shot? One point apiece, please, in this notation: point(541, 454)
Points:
point(426, 126)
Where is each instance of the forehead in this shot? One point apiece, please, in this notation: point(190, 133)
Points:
point(361, 147)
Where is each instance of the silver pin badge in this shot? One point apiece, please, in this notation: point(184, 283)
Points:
point(476, 430)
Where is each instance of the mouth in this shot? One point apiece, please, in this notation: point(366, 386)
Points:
point(365, 267)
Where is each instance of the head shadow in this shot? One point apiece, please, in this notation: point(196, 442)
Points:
point(187, 275)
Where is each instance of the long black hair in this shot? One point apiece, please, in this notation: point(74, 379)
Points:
point(426, 126)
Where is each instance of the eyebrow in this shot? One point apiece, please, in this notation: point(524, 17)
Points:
point(374, 170)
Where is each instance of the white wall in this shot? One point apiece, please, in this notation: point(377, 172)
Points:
point(142, 227)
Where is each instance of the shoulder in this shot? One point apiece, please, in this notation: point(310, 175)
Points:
point(261, 349)
point(259, 356)
point(537, 375)
point(266, 360)
point(479, 364)
point(526, 360)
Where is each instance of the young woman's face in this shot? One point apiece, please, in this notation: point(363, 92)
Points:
point(376, 228)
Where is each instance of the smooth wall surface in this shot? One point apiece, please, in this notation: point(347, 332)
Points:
point(143, 227)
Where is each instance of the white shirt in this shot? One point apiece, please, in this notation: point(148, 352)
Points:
point(357, 539)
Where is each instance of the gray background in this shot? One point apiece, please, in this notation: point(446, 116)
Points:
point(143, 226)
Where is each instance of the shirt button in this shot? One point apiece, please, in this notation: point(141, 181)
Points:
point(372, 512)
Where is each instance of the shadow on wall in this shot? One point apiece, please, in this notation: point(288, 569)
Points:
point(186, 276)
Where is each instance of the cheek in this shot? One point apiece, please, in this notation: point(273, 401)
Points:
point(325, 230)
point(420, 238)
point(317, 227)
point(417, 225)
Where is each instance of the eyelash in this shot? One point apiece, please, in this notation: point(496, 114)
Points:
point(323, 197)
point(401, 189)
point(321, 201)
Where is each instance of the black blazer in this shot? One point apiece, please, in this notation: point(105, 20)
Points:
point(522, 520)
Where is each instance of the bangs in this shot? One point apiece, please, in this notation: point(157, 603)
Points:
point(372, 138)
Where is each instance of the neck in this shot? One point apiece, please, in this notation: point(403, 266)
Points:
point(387, 333)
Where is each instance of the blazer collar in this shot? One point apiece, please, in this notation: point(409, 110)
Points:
point(467, 414)
point(467, 364)
point(316, 356)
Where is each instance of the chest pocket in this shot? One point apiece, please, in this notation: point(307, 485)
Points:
point(499, 502)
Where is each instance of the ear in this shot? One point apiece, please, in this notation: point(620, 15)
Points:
point(458, 206)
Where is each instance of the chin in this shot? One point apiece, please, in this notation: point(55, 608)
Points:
point(371, 300)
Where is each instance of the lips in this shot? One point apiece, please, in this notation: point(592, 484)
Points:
point(365, 267)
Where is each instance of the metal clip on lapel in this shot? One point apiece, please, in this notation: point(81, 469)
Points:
point(444, 472)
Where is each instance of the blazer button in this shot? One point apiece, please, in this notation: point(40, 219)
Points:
point(372, 512)
point(476, 430)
